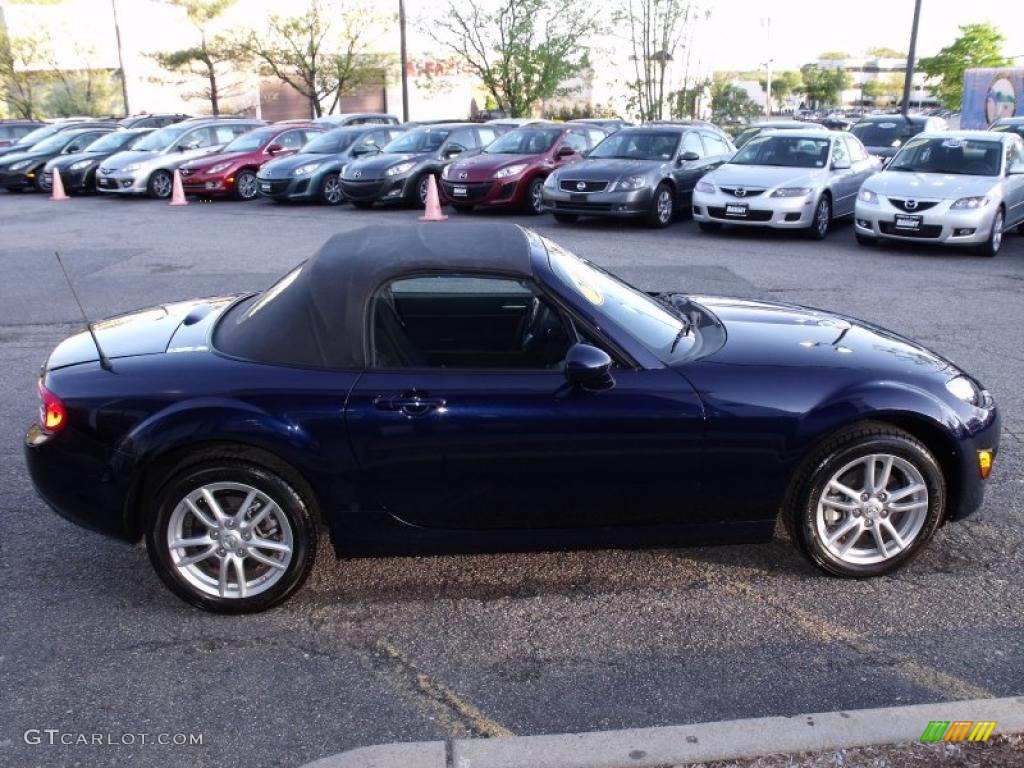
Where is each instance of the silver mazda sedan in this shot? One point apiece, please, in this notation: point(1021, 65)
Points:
point(786, 179)
point(955, 188)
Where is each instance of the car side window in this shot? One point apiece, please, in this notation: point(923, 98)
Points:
point(857, 152)
point(486, 135)
point(200, 137)
point(596, 136)
point(1014, 153)
point(714, 144)
point(691, 143)
point(575, 139)
point(466, 322)
point(839, 152)
point(464, 138)
point(291, 139)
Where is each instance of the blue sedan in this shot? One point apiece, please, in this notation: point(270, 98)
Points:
point(472, 387)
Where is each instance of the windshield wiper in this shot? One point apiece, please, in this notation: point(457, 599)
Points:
point(687, 323)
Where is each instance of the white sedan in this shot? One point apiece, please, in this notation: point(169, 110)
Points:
point(961, 188)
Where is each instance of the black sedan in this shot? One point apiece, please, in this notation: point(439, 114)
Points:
point(473, 386)
point(78, 170)
point(24, 169)
point(647, 172)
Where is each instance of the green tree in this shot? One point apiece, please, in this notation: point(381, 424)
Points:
point(21, 84)
point(523, 51)
point(784, 84)
point(730, 103)
point(824, 85)
point(979, 45)
point(883, 52)
point(208, 57)
point(884, 91)
point(833, 56)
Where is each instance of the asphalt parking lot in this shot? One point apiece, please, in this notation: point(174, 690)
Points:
point(401, 649)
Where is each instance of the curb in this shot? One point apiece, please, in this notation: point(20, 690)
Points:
point(680, 744)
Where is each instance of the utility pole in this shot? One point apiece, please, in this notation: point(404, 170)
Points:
point(766, 22)
point(911, 59)
point(120, 58)
point(405, 61)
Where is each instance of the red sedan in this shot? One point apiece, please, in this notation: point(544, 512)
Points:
point(232, 171)
point(510, 171)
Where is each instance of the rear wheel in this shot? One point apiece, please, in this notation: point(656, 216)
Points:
point(231, 536)
point(995, 239)
point(247, 187)
point(567, 218)
point(663, 204)
point(533, 203)
point(822, 219)
point(330, 190)
point(709, 226)
point(867, 502)
point(160, 185)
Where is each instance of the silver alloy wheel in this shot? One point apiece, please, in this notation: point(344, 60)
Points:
point(821, 217)
point(664, 206)
point(537, 196)
point(248, 186)
point(872, 509)
point(162, 184)
point(229, 540)
point(332, 190)
point(997, 232)
point(423, 186)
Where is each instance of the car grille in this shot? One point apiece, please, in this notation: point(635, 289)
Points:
point(573, 185)
point(474, 190)
point(925, 231)
point(562, 205)
point(921, 205)
point(746, 192)
point(362, 190)
point(276, 187)
point(752, 215)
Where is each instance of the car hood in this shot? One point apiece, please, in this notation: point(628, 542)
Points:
point(143, 332)
point(66, 161)
point(282, 166)
point(17, 157)
point(483, 166)
point(761, 333)
point(13, 149)
point(374, 167)
point(766, 176)
point(207, 161)
point(121, 159)
point(926, 185)
point(608, 169)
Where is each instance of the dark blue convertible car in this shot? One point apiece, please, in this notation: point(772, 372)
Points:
point(473, 386)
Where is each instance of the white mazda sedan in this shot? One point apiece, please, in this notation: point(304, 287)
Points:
point(960, 188)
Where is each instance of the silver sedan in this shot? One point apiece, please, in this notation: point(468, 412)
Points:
point(953, 188)
point(786, 179)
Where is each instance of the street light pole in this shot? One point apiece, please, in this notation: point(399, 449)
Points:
point(767, 24)
point(911, 58)
point(404, 62)
point(120, 58)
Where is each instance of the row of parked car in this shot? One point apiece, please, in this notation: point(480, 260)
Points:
point(919, 183)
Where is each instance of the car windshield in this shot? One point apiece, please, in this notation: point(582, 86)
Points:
point(327, 143)
point(53, 144)
point(786, 151)
point(970, 157)
point(651, 323)
point(250, 142)
point(419, 140)
point(888, 133)
point(162, 139)
point(110, 141)
point(638, 145)
point(532, 141)
point(37, 135)
point(746, 135)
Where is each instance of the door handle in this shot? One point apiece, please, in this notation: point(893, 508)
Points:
point(410, 403)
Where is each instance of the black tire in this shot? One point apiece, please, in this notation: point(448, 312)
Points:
point(364, 204)
point(418, 193)
point(847, 445)
point(991, 246)
point(533, 200)
point(235, 470)
point(1020, 229)
point(865, 240)
point(37, 183)
point(463, 208)
point(160, 185)
point(567, 218)
point(247, 187)
point(709, 226)
point(822, 219)
point(656, 215)
point(330, 190)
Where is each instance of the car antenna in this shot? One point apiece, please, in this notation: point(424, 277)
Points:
point(104, 360)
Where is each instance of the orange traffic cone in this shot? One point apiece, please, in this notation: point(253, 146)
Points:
point(58, 187)
point(433, 212)
point(178, 191)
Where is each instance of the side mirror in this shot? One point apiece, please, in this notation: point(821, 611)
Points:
point(453, 151)
point(273, 149)
point(565, 151)
point(588, 368)
point(1016, 168)
point(841, 164)
point(364, 149)
point(689, 157)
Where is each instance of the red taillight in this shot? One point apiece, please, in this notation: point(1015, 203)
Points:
point(52, 414)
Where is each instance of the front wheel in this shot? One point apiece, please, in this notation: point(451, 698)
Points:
point(330, 190)
point(867, 502)
point(533, 203)
point(420, 190)
point(662, 207)
point(822, 219)
point(160, 185)
point(230, 536)
point(247, 186)
point(995, 239)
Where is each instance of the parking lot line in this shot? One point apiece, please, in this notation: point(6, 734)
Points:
point(460, 717)
point(920, 674)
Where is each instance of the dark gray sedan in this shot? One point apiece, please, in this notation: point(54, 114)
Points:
point(646, 172)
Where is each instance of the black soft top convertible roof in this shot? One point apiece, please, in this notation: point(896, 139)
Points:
point(316, 315)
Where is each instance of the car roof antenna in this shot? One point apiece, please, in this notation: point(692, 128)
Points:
point(104, 360)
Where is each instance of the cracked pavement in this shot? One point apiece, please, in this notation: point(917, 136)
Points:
point(403, 649)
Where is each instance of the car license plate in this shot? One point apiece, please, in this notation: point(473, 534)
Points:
point(460, 191)
point(735, 209)
point(908, 222)
point(264, 186)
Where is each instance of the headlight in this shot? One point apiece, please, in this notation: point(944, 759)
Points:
point(792, 191)
point(302, 170)
point(964, 388)
point(510, 170)
point(969, 203)
point(80, 165)
point(218, 167)
point(446, 171)
point(22, 164)
point(707, 187)
point(394, 170)
point(132, 167)
point(867, 196)
point(631, 182)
